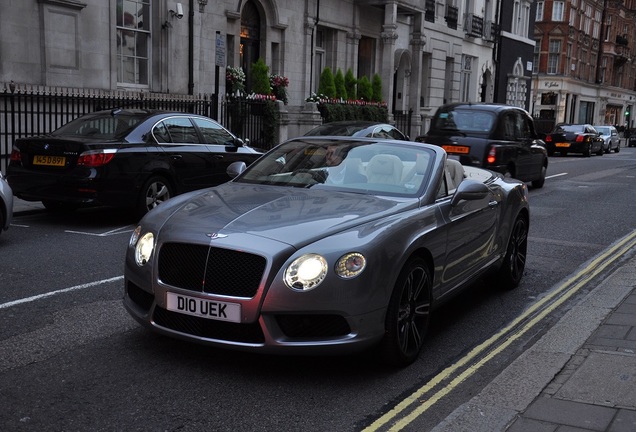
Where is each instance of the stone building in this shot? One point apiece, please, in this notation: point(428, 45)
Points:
point(427, 52)
point(585, 71)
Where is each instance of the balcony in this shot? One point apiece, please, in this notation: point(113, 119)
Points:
point(452, 16)
point(429, 14)
point(621, 40)
point(473, 25)
point(491, 31)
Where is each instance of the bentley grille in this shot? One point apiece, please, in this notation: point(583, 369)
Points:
point(211, 270)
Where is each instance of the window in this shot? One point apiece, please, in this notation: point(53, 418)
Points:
point(558, 8)
point(133, 49)
point(554, 51)
point(521, 16)
point(213, 133)
point(588, 20)
point(597, 25)
point(537, 52)
point(539, 14)
point(466, 78)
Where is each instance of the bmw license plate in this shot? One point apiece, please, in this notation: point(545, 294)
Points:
point(49, 160)
point(210, 309)
point(456, 149)
point(562, 144)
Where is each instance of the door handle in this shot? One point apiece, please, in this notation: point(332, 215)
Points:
point(176, 157)
point(492, 204)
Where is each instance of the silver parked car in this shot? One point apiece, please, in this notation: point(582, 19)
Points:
point(6, 204)
point(325, 245)
point(611, 139)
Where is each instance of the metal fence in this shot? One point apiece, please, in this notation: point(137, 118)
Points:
point(37, 110)
point(403, 121)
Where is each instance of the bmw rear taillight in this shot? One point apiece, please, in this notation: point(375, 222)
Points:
point(580, 138)
point(548, 138)
point(16, 156)
point(492, 156)
point(96, 158)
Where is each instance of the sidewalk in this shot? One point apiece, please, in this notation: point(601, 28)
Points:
point(580, 376)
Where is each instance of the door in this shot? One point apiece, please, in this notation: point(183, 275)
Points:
point(471, 233)
point(190, 161)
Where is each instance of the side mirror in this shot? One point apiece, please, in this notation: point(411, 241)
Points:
point(469, 190)
point(236, 168)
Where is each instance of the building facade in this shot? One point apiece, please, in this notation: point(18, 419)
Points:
point(427, 52)
point(584, 66)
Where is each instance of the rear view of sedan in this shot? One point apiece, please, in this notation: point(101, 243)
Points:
point(574, 138)
point(130, 158)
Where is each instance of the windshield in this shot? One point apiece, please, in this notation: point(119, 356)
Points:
point(363, 167)
point(603, 130)
point(571, 128)
point(464, 120)
point(102, 126)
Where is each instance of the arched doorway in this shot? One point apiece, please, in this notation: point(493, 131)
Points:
point(250, 48)
point(401, 80)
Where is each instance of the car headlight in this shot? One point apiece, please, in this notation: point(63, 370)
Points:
point(306, 272)
point(351, 265)
point(144, 248)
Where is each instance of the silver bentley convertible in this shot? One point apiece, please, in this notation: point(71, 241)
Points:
point(326, 245)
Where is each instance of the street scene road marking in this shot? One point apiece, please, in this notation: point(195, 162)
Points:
point(61, 291)
point(499, 341)
point(127, 229)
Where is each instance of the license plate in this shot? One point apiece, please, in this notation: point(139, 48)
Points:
point(49, 160)
point(210, 309)
point(456, 149)
point(563, 144)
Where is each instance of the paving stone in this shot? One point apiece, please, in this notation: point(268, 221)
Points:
point(622, 319)
point(581, 415)
point(605, 378)
point(530, 425)
point(625, 421)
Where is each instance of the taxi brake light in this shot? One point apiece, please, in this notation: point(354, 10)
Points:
point(492, 156)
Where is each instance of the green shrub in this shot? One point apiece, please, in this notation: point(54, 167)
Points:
point(339, 81)
point(331, 112)
point(327, 84)
point(376, 88)
point(364, 89)
point(350, 84)
point(260, 78)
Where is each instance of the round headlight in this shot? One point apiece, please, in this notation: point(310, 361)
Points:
point(350, 265)
point(306, 272)
point(144, 248)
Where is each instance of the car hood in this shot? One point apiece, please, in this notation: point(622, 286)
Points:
point(290, 215)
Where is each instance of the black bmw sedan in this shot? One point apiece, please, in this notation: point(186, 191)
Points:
point(132, 158)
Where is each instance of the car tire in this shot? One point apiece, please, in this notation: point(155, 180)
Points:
point(59, 206)
point(538, 183)
point(155, 191)
point(601, 152)
point(514, 263)
point(617, 149)
point(588, 150)
point(408, 314)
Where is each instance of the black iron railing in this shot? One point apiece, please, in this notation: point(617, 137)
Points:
point(27, 111)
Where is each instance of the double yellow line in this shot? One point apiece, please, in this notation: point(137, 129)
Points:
point(504, 338)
